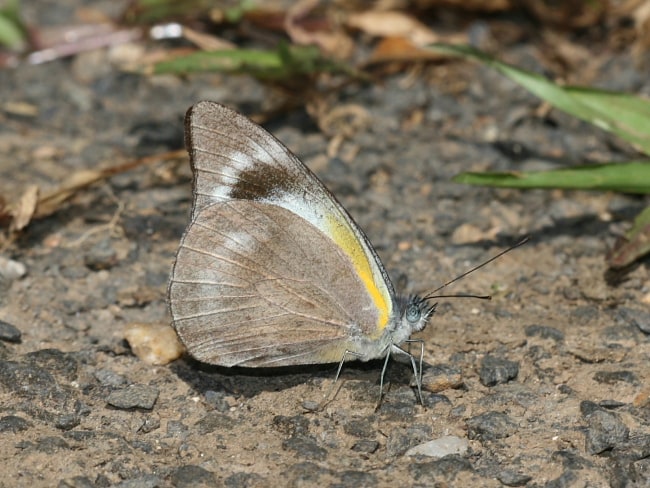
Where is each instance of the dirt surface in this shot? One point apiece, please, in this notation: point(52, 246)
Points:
point(545, 385)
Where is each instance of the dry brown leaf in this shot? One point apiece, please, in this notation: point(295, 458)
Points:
point(23, 209)
point(642, 24)
point(51, 202)
point(572, 15)
point(392, 24)
point(205, 41)
point(331, 40)
point(400, 49)
point(469, 5)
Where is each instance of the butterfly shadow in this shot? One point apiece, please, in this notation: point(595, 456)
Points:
point(361, 379)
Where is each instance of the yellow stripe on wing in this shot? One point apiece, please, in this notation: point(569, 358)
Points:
point(348, 241)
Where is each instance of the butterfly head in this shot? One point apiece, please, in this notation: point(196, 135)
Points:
point(415, 312)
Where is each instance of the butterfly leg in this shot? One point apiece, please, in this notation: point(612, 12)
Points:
point(418, 377)
point(338, 373)
point(383, 373)
point(394, 349)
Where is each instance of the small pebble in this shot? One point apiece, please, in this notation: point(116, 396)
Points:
point(605, 430)
point(639, 318)
point(495, 370)
point(11, 270)
point(513, 478)
point(134, 396)
point(9, 333)
point(366, 446)
point(192, 476)
point(305, 447)
point(440, 447)
point(154, 343)
point(441, 378)
point(545, 332)
point(13, 423)
point(106, 377)
point(100, 256)
point(490, 426)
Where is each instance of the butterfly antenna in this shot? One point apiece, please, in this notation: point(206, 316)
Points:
point(459, 277)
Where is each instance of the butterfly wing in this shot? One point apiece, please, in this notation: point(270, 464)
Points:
point(243, 293)
point(235, 159)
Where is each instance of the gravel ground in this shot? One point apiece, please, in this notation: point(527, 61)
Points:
point(544, 385)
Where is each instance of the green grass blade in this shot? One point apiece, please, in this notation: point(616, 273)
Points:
point(284, 62)
point(625, 115)
point(631, 177)
point(12, 29)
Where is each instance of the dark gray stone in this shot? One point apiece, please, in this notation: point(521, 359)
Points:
point(571, 460)
point(62, 363)
point(354, 479)
point(585, 314)
point(565, 480)
point(176, 428)
point(106, 377)
point(26, 380)
point(67, 421)
point(76, 482)
point(145, 481)
point(611, 404)
point(9, 333)
point(605, 430)
point(13, 423)
point(637, 447)
point(100, 256)
point(433, 399)
point(51, 444)
point(612, 377)
point(217, 400)
point(134, 396)
point(306, 473)
point(397, 411)
point(360, 428)
point(80, 435)
point(190, 476)
point(634, 316)
point(545, 332)
point(290, 426)
point(143, 446)
point(398, 443)
point(365, 445)
point(513, 478)
point(490, 426)
point(495, 370)
point(214, 421)
point(245, 480)
point(446, 468)
point(587, 407)
point(305, 447)
point(151, 423)
point(400, 440)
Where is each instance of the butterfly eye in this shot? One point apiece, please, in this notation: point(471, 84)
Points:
point(413, 313)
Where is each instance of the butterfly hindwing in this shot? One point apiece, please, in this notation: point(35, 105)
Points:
point(243, 294)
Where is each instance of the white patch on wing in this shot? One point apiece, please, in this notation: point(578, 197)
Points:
point(313, 212)
point(221, 192)
point(244, 162)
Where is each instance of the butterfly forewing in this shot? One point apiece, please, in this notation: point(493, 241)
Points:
point(246, 281)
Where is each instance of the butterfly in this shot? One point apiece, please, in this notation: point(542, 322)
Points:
point(272, 270)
